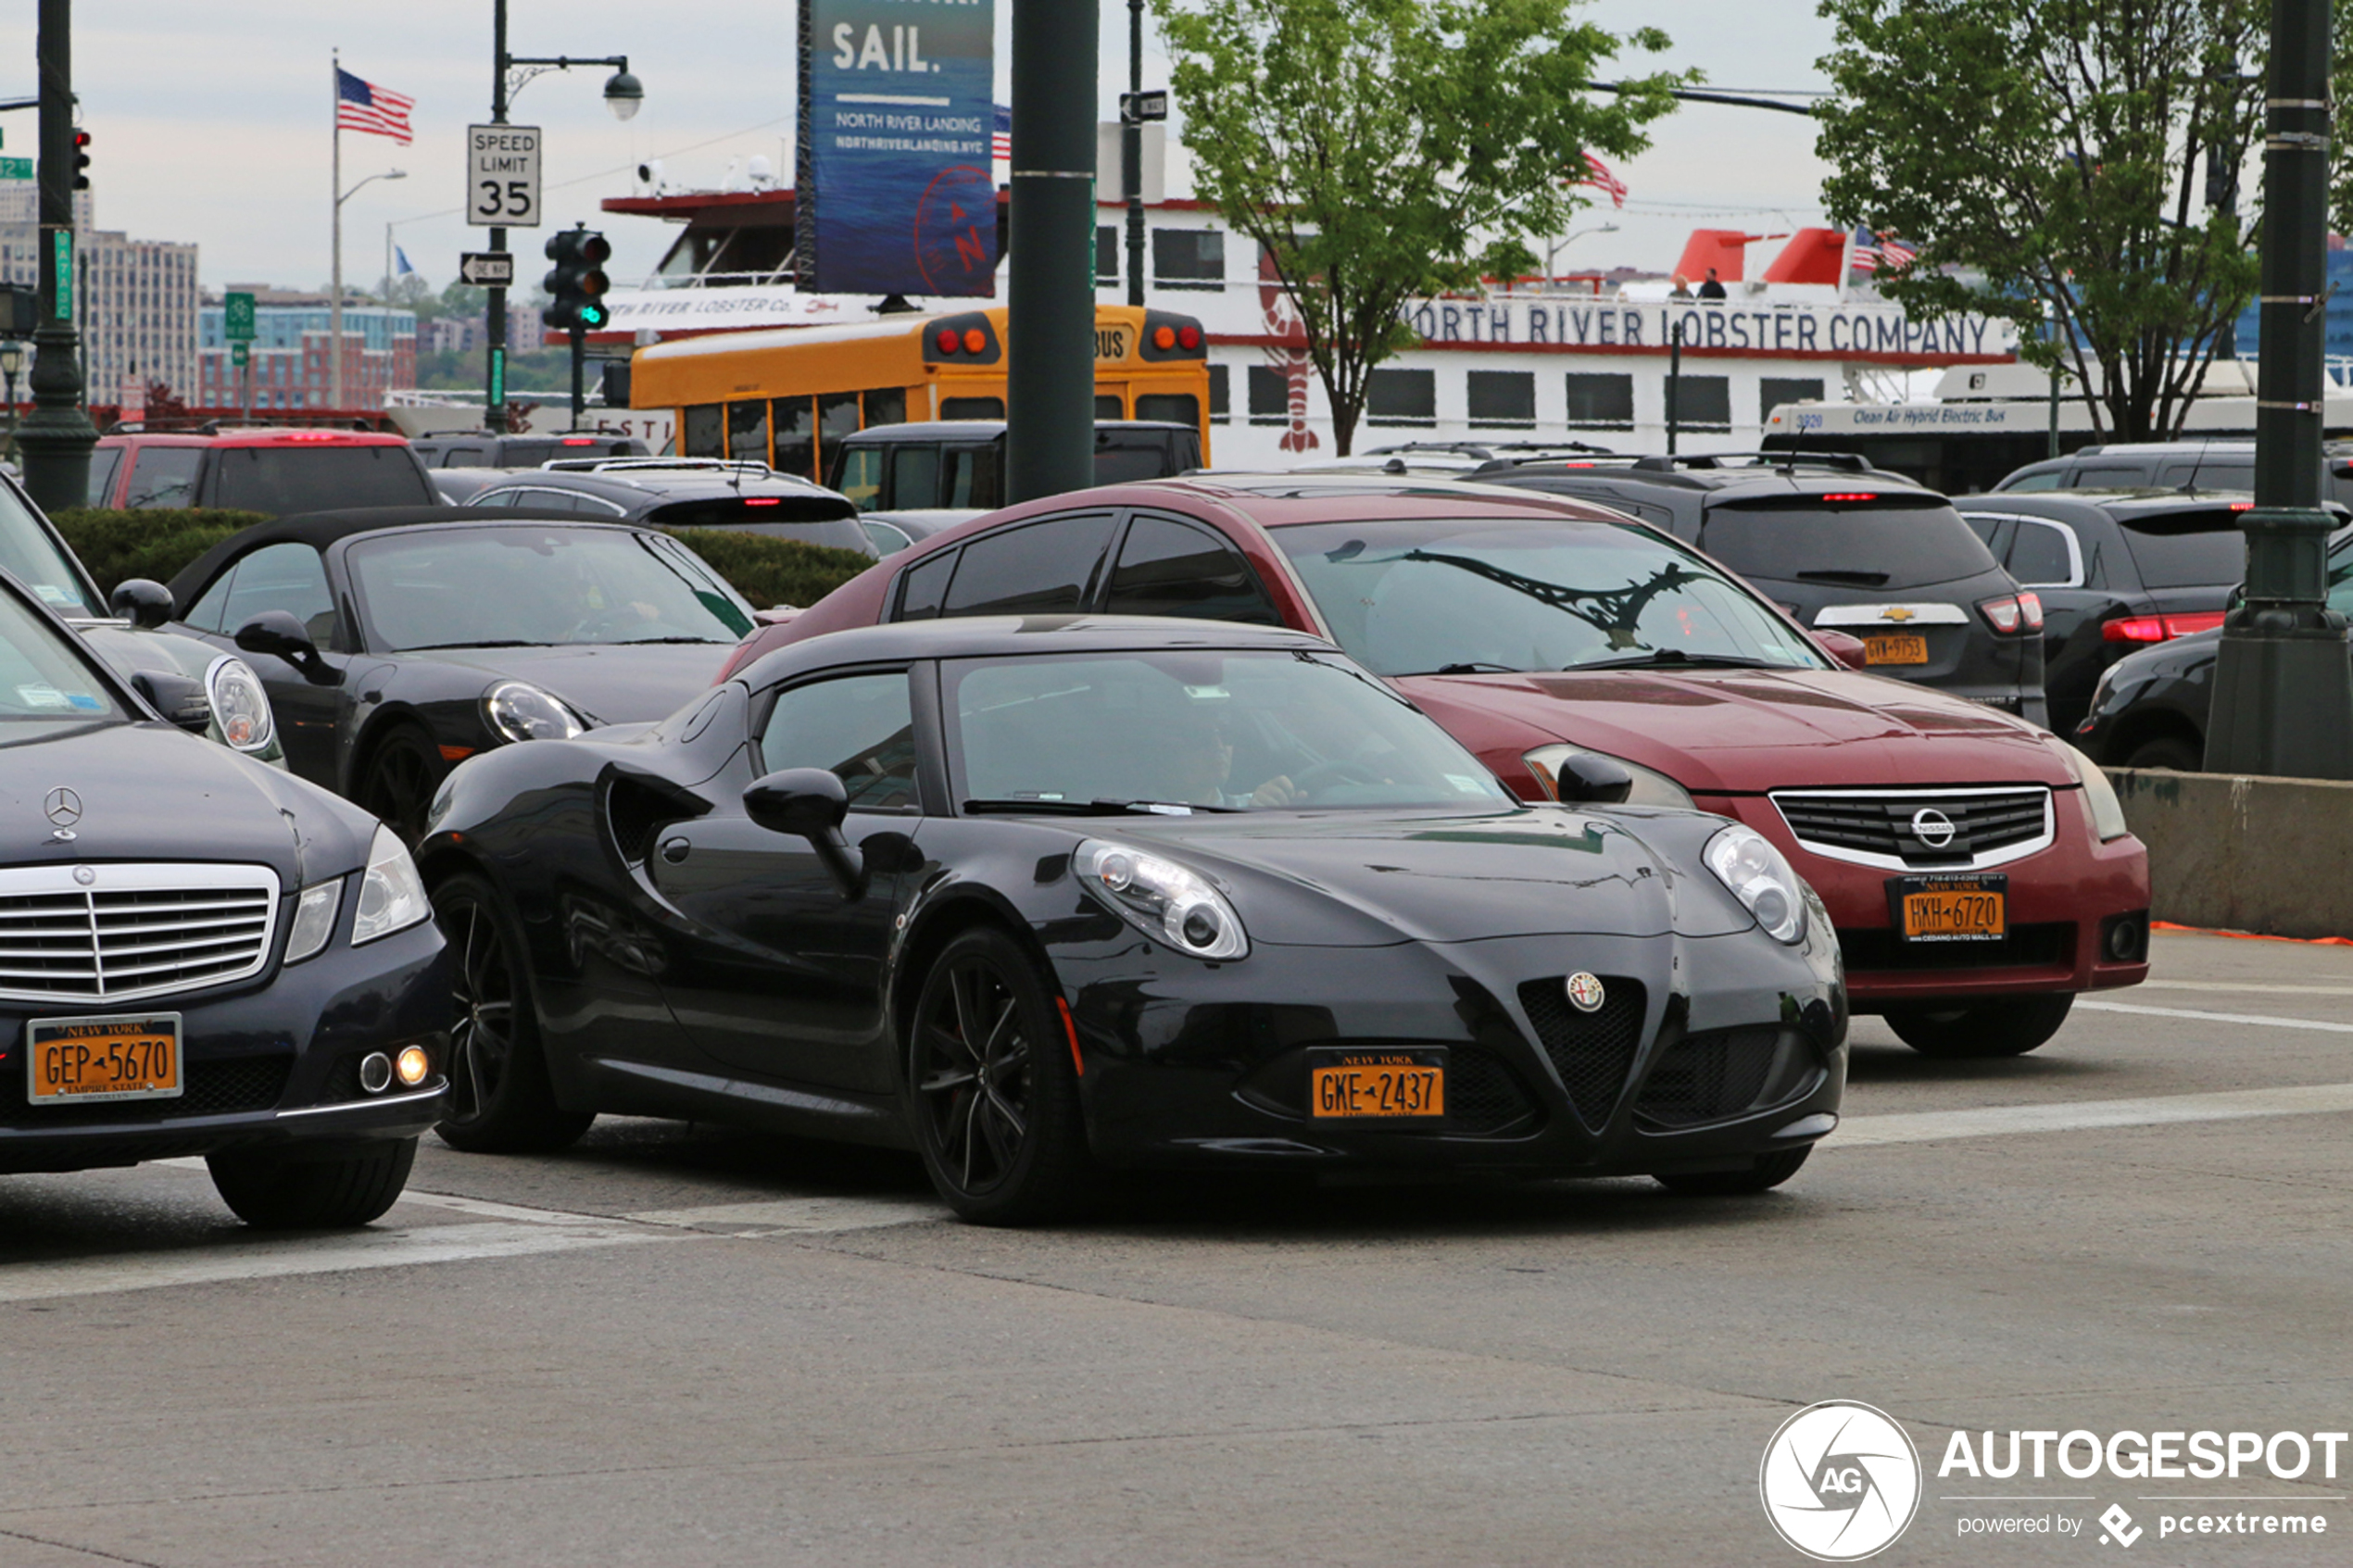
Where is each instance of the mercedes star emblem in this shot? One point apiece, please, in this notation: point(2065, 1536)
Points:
point(64, 807)
point(1585, 992)
point(1932, 827)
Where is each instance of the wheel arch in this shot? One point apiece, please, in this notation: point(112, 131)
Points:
point(940, 921)
point(2137, 729)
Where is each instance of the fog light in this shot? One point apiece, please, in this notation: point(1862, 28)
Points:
point(414, 1065)
point(375, 1073)
point(2127, 940)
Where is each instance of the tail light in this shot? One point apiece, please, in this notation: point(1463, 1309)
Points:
point(2029, 611)
point(2002, 613)
point(764, 500)
point(2159, 628)
point(948, 339)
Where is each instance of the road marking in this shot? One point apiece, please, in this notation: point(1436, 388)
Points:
point(1927, 1127)
point(805, 1215)
point(2220, 1017)
point(2244, 985)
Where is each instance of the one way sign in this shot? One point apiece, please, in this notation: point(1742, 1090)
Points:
point(487, 268)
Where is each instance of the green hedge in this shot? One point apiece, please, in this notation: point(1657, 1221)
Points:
point(774, 571)
point(157, 543)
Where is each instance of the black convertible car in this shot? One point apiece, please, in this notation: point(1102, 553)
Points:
point(200, 955)
point(1034, 895)
point(396, 642)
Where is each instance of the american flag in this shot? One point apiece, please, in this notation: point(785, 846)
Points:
point(1597, 175)
point(1895, 253)
point(1866, 258)
point(363, 106)
point(1875, 251)
point(1001, 145)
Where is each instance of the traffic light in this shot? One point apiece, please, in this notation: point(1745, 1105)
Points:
point(577, 284)
point(82, 161)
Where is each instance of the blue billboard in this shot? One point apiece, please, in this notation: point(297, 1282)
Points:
point(894, 192)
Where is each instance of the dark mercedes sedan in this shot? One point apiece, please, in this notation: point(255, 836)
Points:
point(1039, 895)
point(200, 955)
point(394, 644)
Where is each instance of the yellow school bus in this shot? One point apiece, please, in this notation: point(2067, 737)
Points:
point(782, 393)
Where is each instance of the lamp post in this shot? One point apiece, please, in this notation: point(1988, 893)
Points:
point(11, 365)
point(1566, 241)
point(2282, 679)
point(335, 308)
point(624, 95)
point(57, 437)
point(1049, 328)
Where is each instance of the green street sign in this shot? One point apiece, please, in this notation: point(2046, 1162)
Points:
point(61, 261)
point(16, 169)
point(239, 353)
point(238, 311)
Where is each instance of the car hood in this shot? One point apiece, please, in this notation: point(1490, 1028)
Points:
point(1744, 731)
point(150, 792)
point(609, 682)
point(1370, 879)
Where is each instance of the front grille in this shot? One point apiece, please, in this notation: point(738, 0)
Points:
point(1876, 826)
point(1483, 1096)
point(1591, 1051)
point(1708, 1077)
point(134, 932)
point(2027, 947)
point(212, 1088)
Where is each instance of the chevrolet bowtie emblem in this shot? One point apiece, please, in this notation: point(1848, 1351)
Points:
point(1896, 613)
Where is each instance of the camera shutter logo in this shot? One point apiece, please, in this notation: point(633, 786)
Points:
point(1932, 827)
point(1586, 993)
point(1840, 1481)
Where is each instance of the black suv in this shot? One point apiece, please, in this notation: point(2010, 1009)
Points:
point(480, 450)
point(960, 463)
point(1842, 545)
point(2187, 466)
point(684, 493)
point(2116, 569)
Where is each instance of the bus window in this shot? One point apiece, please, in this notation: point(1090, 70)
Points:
point(971, 477)
point(1177, 407)
point(1107, 407)
point(915, 475)
point(748, 431)
point(703, 433)
point(860, 476)
point(971, 407)
point(886, 406)
point(836, 417)
point(795, 431)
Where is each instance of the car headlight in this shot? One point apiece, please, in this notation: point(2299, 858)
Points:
point(522, 711)
point(314, 919)
point(1650, 786)
point(1744, 862)
point(1162, 899)
point(392, 896)
point(2099, 796)
point(240, 704)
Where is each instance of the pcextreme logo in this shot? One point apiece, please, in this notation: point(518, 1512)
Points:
point(1840, 1481)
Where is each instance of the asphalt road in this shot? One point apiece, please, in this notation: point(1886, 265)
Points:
point(681, 1346)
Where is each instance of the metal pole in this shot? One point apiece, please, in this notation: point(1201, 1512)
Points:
point(12, 413)
point(494, 399)
point(1674, 382)
point(579, 374)
point(1050, 437)
point(1131, 153)
point(2282, 680)
point(56, 439)
point(334, 306)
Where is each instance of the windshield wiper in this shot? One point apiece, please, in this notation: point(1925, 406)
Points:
point(1087, 808)
point(1846, 578)
point(1478, 667)
point(485, 643)
point(1677, 657)
point(648, 642)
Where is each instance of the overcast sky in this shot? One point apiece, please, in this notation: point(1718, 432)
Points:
point(211, 123)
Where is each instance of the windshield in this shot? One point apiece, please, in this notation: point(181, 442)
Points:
point(1210, 731)
point(1891, 541)
point(281, 481)
point(45, 682)
point(540, 587)
point(28, 554)
point(1459, 595)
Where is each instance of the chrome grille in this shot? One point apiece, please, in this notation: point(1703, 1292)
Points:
point(133, 932)
point(1878, 827)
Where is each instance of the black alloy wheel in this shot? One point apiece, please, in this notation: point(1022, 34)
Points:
point(1768, 1170)
point(279, 1192)
point(501, 1099)
point(398, 785)
point(2177, 752)
point(994, 1086)
point(1982, 1029)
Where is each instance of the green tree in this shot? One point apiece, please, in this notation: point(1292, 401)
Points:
point(1385, 150)
point(2050, 156)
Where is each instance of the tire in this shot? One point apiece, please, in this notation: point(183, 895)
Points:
point(501, 1100)
point(1768, 1170)
point(2177, 752)
point(404, 769)
point(999, 1124)
point(277, 1192)
point(1985, 1029)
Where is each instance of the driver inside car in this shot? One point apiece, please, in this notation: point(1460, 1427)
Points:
point(1203, 765)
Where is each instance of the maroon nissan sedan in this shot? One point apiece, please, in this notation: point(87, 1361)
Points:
point(1978, 868)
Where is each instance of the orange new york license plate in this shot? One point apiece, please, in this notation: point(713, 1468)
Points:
point(1377, 1084)
point(1953, 908)
point(1900, 648)
point(80, 1060)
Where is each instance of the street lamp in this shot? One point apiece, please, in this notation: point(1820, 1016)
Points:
point(335, 308)
point(1566, 241)
point(624, 95)
point(11, 363)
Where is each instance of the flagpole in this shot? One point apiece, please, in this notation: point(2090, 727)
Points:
point(335, 308)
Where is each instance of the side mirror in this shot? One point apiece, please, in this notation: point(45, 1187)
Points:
point(1593, 780)
point(810, 803)
point(178, 700)
point(1848, 650)
point(278, 633)
point(141, 601)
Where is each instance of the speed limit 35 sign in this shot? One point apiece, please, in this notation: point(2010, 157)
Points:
point(502, 176)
